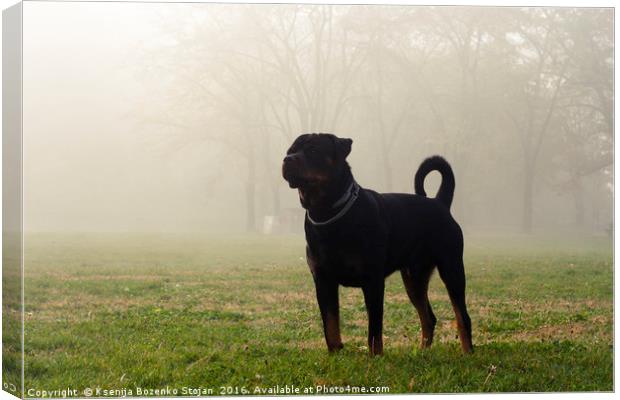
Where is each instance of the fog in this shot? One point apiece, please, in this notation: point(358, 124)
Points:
point(175, 117)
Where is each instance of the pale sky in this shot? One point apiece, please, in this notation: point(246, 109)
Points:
point(89, 164)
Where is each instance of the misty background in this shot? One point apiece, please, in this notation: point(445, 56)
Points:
point(175, 117)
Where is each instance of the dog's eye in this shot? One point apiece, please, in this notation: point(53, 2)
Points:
point(312, 151)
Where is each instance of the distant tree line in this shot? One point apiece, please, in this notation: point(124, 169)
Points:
point(519, 100)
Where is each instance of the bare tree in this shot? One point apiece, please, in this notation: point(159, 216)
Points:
point(536, 92)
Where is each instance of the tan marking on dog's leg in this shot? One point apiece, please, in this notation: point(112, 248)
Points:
point(417, 290)
point(464, 335)
point(332, 332)
point(375, 345)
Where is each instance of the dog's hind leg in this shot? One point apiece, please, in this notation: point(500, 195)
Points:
point(416, 283)
point(452, 273)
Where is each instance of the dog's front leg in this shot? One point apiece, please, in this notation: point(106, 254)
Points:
point(373, 296)
point(327, 296)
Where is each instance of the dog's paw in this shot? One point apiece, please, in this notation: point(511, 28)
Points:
point(335, 348)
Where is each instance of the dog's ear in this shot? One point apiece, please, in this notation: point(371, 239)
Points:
point(344, 147)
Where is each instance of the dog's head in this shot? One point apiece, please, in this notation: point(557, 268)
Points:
point(313, 164)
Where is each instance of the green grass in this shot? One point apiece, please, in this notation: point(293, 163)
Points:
point(148, 311)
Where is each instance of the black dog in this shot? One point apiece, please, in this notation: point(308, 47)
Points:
point(357, 237)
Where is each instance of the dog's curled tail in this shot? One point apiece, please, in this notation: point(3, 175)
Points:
point(446, 189)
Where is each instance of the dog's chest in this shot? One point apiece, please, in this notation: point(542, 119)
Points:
point(345, 267)
point(348, 260)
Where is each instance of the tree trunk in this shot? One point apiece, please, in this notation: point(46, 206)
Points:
point(579, 203)
point(250, 193)
point(528, 200)
point(276, 181)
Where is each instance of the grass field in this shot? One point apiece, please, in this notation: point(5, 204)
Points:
point(239, 313)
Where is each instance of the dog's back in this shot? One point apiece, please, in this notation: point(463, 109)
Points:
point(418, 222)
